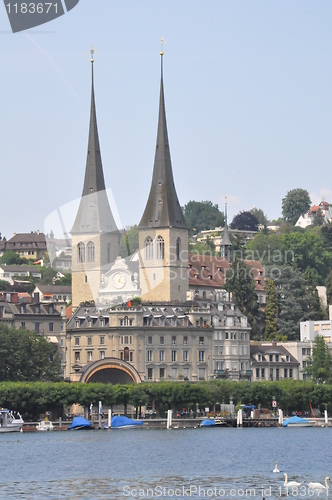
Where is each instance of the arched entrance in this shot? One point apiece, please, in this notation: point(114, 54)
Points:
point(110, 371)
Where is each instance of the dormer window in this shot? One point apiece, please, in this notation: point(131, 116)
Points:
point(37, 310)
point(259, 357)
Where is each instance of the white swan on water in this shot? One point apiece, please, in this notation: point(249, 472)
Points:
point(276, 468)
point(291, 484)
point(320, 486)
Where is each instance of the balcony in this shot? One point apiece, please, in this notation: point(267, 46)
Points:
point(246, 373)
point(220, 373)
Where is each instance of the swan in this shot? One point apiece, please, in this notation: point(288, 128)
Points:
point(319, 486)
point(290, 484)
point(276, 468)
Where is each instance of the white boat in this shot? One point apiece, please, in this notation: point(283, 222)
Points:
point(45, 425)
point(8, 423)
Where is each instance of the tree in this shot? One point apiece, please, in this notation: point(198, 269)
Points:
point(4, 285)
point(129, 242)
point(271, 311)
point(203, 215)
point(245, 221)
point(26, 356)
point(318, 219)
point(260, 216)
point(202, 247)
point(12, 259)
point(296, 202)
point(65, 281)
point(328, 285)
point(311, 281)
point(240, 282)
point(319, 365)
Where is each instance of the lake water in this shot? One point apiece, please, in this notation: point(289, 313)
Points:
point(178, 463)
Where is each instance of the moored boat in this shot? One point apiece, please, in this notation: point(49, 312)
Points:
point(9, 423)
point(297, 422)
point(79, 423)
point(45, 425)
point(124, 423)
point(211, 422)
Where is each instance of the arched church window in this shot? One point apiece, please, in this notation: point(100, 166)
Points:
point(81, 252)
point(109, 253)
point(91, 251)
point(178, 244)
point(126, 321)
point(149, 248)
point(160, 248)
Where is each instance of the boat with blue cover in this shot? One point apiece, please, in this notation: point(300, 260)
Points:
point(118, 422)
point(79, 423)
point(211, 422)
point(297, 422)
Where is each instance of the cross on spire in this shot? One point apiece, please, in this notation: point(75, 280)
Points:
point(162, 43)
point(92, 52)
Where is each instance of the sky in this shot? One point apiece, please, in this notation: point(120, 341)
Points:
point(248, 100)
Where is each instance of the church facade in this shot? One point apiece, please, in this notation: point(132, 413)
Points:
point(170, 333)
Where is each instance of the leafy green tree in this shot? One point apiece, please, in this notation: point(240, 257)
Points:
point(206, 247)
point(13, 259)
point(129, 242)
point(240, 282)
point(296, 202)
point(260, 216)
point(294, 301)
point(319, 366)
point(65, 281)
point(318, 219)
point(24, 355)
point(4, 285)
point(328, 285)
point(271, 311)
point(326, 234)
point(245, 221)
point(203, 215)
point(48, 273)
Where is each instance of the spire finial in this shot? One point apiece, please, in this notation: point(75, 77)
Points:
point(92, 52)
point(162, 43)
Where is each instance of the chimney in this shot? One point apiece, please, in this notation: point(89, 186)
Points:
point(36, 297)
point(37, 231)
point(274, 342)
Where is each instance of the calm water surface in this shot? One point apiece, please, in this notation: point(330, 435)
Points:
point(217, 463)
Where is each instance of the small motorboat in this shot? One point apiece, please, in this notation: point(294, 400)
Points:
point(80, 423)
point(45, 425)
point(212, 422)
point(297, 422)
point(9, 423)
point(123, 423)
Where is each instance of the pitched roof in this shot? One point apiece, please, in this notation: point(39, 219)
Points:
point(163, 208)
point(94, 214)
point(13, 269)
point(54, 289)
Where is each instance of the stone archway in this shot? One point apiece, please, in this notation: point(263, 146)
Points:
point(110, 370)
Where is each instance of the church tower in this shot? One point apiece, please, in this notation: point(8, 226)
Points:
point(95, 237)
point(163, 231)
point(225, 244)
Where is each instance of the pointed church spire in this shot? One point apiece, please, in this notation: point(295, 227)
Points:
point(163, 208)
point(94, 213)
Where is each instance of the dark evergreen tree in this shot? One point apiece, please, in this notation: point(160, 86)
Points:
point(271, 311)
point(245, 221)
point(328, 285)
point(319, 366)
point(310, 279)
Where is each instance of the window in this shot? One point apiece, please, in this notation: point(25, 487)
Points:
point(178, 243)
point(150, 340)
point(126, 339)
point(271, 357)
point(77, 323)
point(185, 373)
point(102, 340)
point(131, 357)
point(259, 357)
point(36, 327)
point(161, 372)
point(121, 340)
point(160, 248)
point(89, 323)
point(277, 358)
point(102, 322)
point(101, 354)
point(226, 335)
point(285, 372)
point(271, 373)
point(263, 372)
point(277, 373)
point(161, 355)
point(291, 373)
point(174, 372)
point(287, 358)
point(150, 373)
point(234, 365)
point(227, 350)
point(81, 252)
point(240, 350)
point(61, 310)
point(173, 340)
point(149, 356)
point(91, 251)
point(161, 340)
point(185, 355)
point(130, 339)
point(201, 372)
point(185, 340)
point(216, 350)
point(244, 349)
point(233, 350)
point(201, 340)
point(22, 324)
point(89, 356)
point(173, 355)
point(77, 341)
point(257, 372)
point(126, 323)
point(61, 342)
point(89, 340)
point(77, 357)
point(149, 248)
point(37, 310)
point(50, 310)
point(201, 355)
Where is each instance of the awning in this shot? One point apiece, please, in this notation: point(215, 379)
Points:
point(53, 339)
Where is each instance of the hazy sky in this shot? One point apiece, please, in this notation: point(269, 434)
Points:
point(248, 98)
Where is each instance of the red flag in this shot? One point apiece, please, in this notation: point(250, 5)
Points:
point(129, 303)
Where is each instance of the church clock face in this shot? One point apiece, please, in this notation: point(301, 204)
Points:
point(119, 280)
